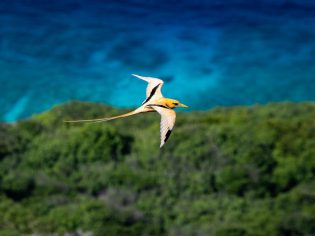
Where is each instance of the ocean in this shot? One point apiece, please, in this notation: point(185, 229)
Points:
point(209, 53)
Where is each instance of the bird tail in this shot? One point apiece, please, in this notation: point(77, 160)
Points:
point(103, 119)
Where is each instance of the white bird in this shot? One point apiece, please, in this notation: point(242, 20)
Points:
point(154, 102)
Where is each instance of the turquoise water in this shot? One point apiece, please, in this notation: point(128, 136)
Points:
point(210, 53)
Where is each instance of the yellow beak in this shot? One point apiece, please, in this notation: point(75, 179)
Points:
point(182, 105)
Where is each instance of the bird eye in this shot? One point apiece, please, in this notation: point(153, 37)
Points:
point(175, 103)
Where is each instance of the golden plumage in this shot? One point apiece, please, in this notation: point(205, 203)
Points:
point(154, 102)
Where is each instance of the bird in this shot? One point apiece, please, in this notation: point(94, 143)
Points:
point(154, 102)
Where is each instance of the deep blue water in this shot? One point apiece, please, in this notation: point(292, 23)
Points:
point(210, 53)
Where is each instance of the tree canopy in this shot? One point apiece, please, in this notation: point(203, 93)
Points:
point(225, 172)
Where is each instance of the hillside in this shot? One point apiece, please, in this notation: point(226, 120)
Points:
point(226, 171)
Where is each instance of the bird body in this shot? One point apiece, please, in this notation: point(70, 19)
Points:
point(154, 102)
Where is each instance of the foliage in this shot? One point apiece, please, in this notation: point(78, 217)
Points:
point(227, 171)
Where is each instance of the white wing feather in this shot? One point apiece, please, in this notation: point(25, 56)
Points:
point(168, 118)
point(152, 83)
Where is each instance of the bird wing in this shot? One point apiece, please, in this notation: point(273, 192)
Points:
point(168, 117)
point(153, 89)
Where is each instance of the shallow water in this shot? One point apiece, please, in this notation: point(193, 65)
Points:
point(209, 53)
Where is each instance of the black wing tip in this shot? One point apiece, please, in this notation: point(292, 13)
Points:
point(167, 135)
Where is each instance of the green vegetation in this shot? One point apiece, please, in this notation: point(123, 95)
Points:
point(229, 171)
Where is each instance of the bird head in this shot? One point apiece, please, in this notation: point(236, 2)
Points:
point(174, 103)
